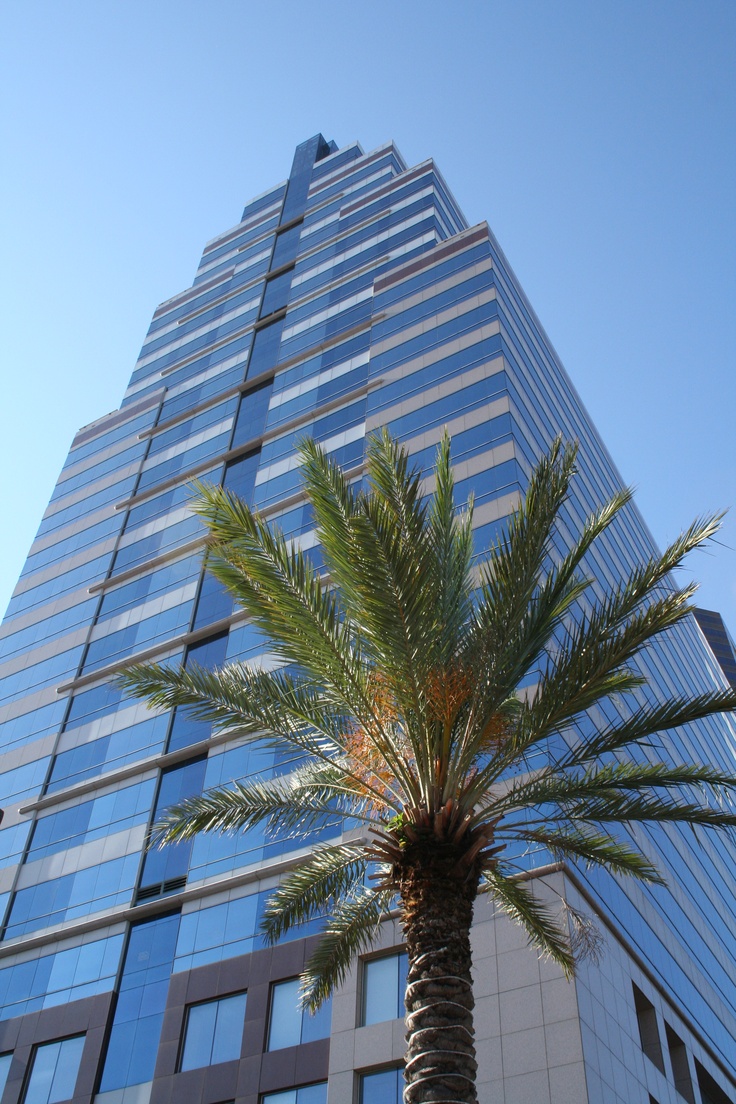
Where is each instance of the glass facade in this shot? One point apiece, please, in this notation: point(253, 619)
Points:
point(352, 296)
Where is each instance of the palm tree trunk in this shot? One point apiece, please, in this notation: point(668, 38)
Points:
point(438, 911)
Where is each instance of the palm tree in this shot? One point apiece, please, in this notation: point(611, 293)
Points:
point(399, 690)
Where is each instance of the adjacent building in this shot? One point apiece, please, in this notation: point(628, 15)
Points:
point(351, 296)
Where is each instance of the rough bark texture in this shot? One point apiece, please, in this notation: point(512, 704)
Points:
point(438, 911)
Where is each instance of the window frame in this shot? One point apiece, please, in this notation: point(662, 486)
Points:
point(217, 1000)
point(36, 1049)
point(302, 1013)
point(374, 1071)
point(365, 965)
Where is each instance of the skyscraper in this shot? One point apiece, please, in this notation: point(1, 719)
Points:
point(349, 297)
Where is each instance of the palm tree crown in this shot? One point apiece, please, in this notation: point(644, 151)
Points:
point(432, 703)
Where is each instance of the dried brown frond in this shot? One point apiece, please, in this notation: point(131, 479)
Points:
point(447, 691)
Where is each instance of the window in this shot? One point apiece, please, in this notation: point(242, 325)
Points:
point(252, 414)
point(286, 246)
point(5, 1060)
point(276, 294)
point(288, 1024)
point(265, 350)
point(306, 1094)
point(384, 1087)
point(186, 729)
point(213, 603)
point(54, 1071)
point(384, 985)
point(680, 1064)
point(648, 1029)
point(710, 1091)
point(165, 868)
point(214, 1032)
point(139, 1013)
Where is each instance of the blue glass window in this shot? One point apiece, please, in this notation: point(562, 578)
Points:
point(100, 700)
point(46, 629)
point(91, 820)
point(265, 352)
point(264, 201)
point(54, 1071)
point(131, 427)
point(288, 1024)
point(96, 471)
point(71, 896)
point(240, 475)
point(64, 583)
point(12, 843)
point(144, 587)
point(214, 1032)
point(160, 504)
point(112, 647)
point(218, 932)
point(124, 746)
point(328, 358)
point(191, 426)
point(59, 978)
point(384, 1087)
point(276, 294)
point(287, 243)
point(137, 552)
point(139, 1014)
point(223, 931)
point(200, 391)
point(183, 460)
point(22, 782)
point(384, 985)
point(185, 730)
point(252, 412)
point(164, 868)
point(305, 1094)
point(5, 1060)
point(214, 602)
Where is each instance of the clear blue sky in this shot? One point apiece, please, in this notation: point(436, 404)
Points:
point(598, 139)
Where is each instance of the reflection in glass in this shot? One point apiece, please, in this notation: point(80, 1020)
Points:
point(54, 1072)
point(381, 1088)
point(131, 1052)
point(384, 984)
point(305, 1094)
point(290, 1025)
point(214, 1032)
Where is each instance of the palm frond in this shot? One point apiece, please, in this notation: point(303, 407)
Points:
point(610, 781)
point(273, 581)
point(593, 664)
point(403, 700)
point(554, 591)
point(336, 510)
point(646, 722)
point(451, 538)
point(350, 930)
point(520, 602)
point(325, 878)
point(308, 798)
point(649, 808)
point(593, 847)
point(542, 926)
point(397, 619)
point(285, 711)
